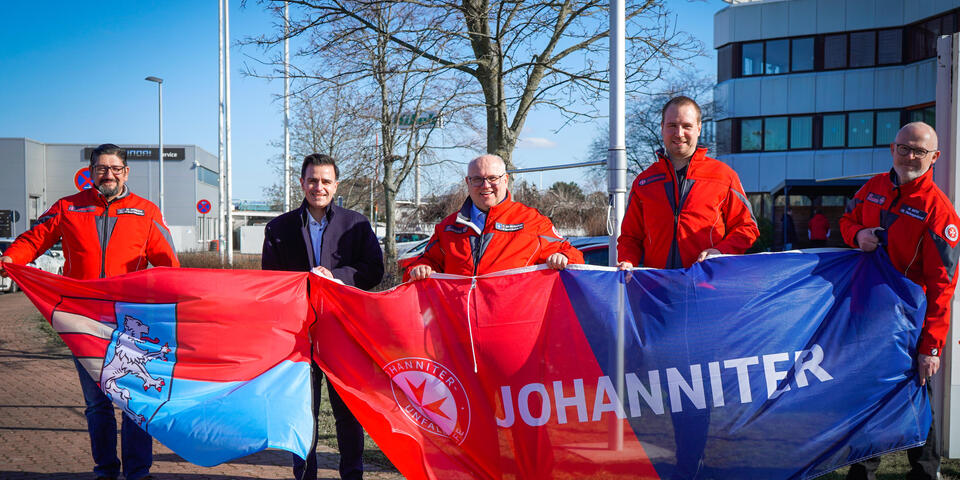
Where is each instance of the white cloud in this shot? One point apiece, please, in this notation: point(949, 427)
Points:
point(536, 142)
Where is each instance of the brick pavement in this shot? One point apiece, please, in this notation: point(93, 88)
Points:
point(43, 432)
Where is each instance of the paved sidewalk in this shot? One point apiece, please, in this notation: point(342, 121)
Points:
point(43, 434)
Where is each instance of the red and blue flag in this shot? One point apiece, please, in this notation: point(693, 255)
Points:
point(215, 364)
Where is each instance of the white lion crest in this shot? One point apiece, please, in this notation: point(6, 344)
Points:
point(129, 358)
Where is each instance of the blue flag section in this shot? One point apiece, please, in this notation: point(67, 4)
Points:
point(761, 366)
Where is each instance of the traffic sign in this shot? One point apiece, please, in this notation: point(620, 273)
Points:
point(82, 179)
point(203, 206)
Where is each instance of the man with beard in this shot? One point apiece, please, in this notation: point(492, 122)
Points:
point(106, 231)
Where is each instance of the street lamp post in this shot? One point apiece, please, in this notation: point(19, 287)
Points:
point(159, 82)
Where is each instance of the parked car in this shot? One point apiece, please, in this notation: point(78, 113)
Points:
point(595, 249)
point(404, 260)
point(51, 261)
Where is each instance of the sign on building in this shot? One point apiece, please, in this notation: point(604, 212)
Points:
point(146, 153)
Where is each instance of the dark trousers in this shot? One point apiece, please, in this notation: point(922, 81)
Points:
point(136, 445)
point(924, 460)
point(349, 436)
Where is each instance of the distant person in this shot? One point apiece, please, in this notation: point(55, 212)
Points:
point(106, 231)
point(818, 229)
point(686, 206)
point(906, 214)
point(791, 231)
point(336, 243)
point(491, 232)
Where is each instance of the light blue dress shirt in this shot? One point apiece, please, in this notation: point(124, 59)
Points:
point(477, 216)
point(316, 235)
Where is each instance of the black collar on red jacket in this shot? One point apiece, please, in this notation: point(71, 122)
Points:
point(922, 182)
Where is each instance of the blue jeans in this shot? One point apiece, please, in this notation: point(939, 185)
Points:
point(136, 445)
point(349, 436)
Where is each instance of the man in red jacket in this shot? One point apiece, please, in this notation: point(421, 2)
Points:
point(491, 232)
point(818, 229)
point(106, 231)
point(905, 213)
point(686, 206)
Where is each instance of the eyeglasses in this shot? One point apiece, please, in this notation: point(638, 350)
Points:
point(906, 149)
point(478, 181)
point(102, 169)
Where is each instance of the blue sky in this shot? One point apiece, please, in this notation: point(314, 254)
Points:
point(73, 72)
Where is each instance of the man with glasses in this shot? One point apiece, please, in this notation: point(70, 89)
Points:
point(106, 231)
point(491, 232)
point(905, 213)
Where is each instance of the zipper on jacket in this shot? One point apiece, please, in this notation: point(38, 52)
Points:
point(103, 241)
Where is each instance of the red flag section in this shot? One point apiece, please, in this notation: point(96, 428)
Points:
point(427, 368)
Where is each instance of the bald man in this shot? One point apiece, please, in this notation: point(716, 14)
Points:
point(904, 212)
point(491, 232)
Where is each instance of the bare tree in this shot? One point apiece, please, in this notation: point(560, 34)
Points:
point(643, 136)
point(519, 55)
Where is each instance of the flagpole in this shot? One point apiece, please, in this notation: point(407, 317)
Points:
point(286, 107)
point(616, 185)
point(229, 163)
point(221, 221)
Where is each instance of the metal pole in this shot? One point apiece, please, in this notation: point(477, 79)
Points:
point(221, 194)
point(160, 141)
point(286, 107)
point(416, 163)
point(226, 70)
point(617, 181)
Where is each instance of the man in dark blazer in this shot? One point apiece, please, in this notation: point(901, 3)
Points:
point(339, 244)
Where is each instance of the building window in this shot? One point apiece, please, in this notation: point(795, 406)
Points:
point(834, 129)
point(725, 136)
point(777, 57)
point(208, 176)
point(751, 131)
point(775, 134)
point(752, 58)
point(835, 51)
point(889, 46)
point(802, 54)
point(888, 123)
point(926, 115)
point(863, 49)
point(860, 132)
point(801, 132)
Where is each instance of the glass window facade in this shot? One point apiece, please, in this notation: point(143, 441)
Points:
point(801, 132)
point(802, 54)
point(835, 51)
point(863, 49)
point(752, 58)
point(751, 131)
point(208, 176)
point(889, 46)
point(777, 58)
point(888, 123)
point(860, 132)
point(775, 134)
point(834, 130)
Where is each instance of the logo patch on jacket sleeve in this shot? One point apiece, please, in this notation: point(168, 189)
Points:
point(130, 211)
point(874, 198)
point(74, 208)
point(651, 179)
point(509, 227)
point(913, 212)
point(951, 232)
point(455, 229)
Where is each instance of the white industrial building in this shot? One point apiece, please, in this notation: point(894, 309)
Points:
point(809, 90)
point(37, 174)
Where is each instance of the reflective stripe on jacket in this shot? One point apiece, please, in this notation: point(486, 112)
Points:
point(921, 240)
point(513, 236)
point(99, 239)
point(667, 225)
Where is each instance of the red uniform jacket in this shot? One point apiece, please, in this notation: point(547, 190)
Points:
point(99, 239)
point(513, 236)
point(922, 235)
point(667, 225)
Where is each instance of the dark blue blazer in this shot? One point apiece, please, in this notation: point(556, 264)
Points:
point(349, 250)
